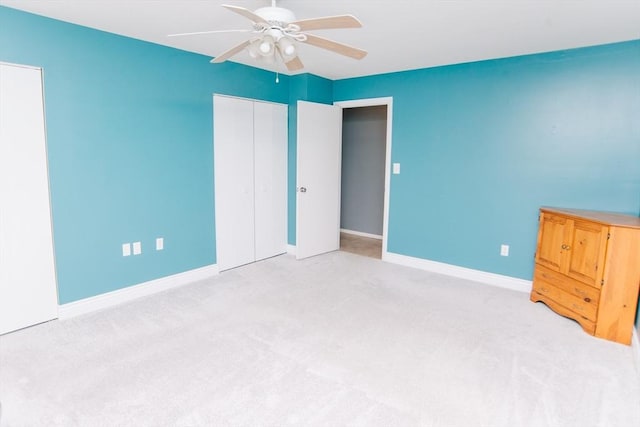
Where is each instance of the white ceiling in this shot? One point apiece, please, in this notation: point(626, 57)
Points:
point(398, 34)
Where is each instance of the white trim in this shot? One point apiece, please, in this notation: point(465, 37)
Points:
point(371, 102)
point(131, 293)
point(361, 234)
point(12, 64)
point(635, 347)
point(223, 95)
point(492, 279)
point(291, 249)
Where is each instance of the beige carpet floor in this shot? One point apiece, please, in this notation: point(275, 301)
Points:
point(335, 340)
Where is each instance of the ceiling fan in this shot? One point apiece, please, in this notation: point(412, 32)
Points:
point(276, 31)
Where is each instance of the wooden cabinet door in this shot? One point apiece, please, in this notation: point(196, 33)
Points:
point(586, 252)
point(553, 232)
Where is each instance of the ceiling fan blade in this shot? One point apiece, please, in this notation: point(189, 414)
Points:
point(246, 13)
point(229, 53)
point(336, 47)
point(328, 22)
point(294, 65)
point(209, 32)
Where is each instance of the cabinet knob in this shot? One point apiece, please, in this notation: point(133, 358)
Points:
point(566, 247)
point(587, 299)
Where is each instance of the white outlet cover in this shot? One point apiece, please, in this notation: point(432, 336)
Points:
point(137, 248)
point(396, 168)
point(159, 243)
point(504, 250)
point(126, 249)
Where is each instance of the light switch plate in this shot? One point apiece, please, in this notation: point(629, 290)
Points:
point(159, 243)
point(396, 168)
point(126, 249)
point(137, 248)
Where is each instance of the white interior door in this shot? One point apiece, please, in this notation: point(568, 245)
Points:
point(270, 158)
point(318, 179)
point(234, 181)
point(28, 293)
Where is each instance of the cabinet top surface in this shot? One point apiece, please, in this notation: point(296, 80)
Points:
point(609, 218)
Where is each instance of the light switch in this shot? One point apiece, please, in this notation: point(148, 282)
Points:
point(137, 248)
point(396, 168)
point(126, 249)
point(159, 243)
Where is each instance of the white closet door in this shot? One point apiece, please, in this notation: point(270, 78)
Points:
point(270, 143)
point(234, 181)
point(28, 292)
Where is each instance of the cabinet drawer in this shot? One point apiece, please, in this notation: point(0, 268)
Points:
point(589, 326)
point(571, 286)
point(573, 295)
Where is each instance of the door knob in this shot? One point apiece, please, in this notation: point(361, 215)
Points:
point(303, 189)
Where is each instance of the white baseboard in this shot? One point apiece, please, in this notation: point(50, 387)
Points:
point(130, 293)
point(492, 279)
point(635, 347)
point(361, 234)
point(291, 249)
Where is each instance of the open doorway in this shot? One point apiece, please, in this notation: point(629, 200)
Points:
point(364, 153)
point(318, 175)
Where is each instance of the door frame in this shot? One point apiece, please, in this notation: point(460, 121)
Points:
point(373, 102)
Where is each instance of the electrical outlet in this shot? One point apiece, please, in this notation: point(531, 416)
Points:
point(126, 249)
point(504, 250)
point(159, 243)
point(137, 248)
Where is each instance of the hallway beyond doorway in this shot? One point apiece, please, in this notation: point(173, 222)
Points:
point(365, 246)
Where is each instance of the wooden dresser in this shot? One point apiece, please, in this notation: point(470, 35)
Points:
point(587, 268)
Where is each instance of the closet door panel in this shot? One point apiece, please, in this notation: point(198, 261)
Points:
point(28, 293)
point(270, 143)
point(234, 181)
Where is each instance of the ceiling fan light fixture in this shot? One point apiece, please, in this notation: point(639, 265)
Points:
point(287, 48)
point(269, 59)
point(254, 50)
point(266, 46)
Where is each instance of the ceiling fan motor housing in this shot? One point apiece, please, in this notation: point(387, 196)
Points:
point(277, 16)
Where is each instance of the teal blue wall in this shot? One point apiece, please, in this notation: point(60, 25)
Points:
point(129, 133)
point(483, 145)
